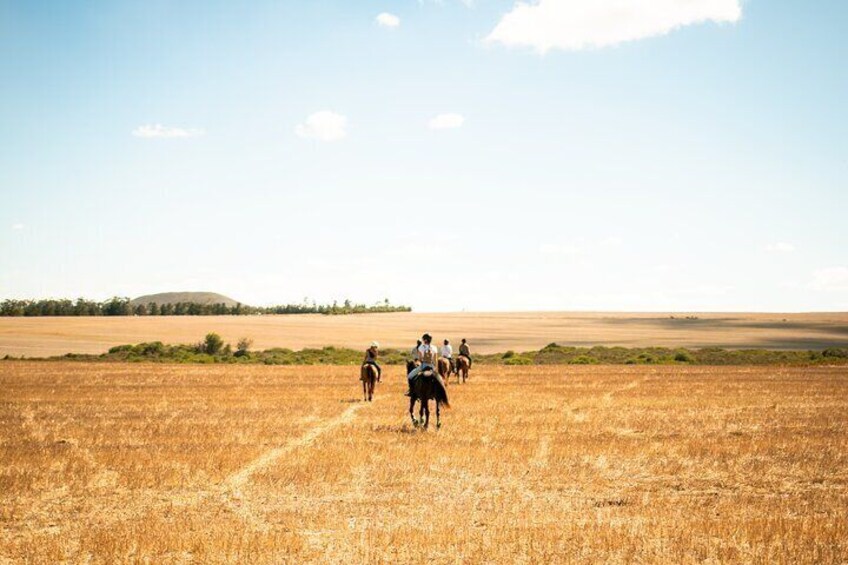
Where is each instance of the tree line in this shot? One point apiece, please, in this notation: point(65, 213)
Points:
point(119, 306)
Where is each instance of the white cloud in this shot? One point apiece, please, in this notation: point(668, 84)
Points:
point(780, 247)
point(446, 121)
point(152, 131)
point(17, 226)
point(830, 279)
point(323, 126)
point(386, 19)
point(580, 24)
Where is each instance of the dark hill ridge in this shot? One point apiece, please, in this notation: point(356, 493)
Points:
point(184, 297)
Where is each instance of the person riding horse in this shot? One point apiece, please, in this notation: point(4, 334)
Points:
point(446, 352)
point(465, 352)
point(371, 359)
point(427, 355)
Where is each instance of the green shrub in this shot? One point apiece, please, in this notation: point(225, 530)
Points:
point(518, 360)
point(213, 343)
point(152, 349)
point(683, 356)
point(243, 346)
point(583, 360)
point(508, 355)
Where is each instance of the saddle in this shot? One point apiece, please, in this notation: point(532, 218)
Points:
point(425, 374)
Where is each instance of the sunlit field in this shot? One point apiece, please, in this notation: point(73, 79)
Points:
point(493, 332)
point(149, 463)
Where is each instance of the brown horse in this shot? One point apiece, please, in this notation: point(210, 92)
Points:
point(444, 368)
point(462, 366)
point(368, 376)
point(428, 386)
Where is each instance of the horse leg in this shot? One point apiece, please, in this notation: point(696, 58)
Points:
point(364, 390)
point(438, 414)
point(424, 408)
point(411, 408)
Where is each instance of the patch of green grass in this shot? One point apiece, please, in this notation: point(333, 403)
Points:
point(551, 354)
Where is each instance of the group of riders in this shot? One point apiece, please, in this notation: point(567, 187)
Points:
point(423, 357)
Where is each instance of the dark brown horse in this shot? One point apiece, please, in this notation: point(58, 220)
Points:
point(368, 376)
point(462, 366)
point(428, 386)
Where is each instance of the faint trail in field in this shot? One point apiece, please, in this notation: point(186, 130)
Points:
point(242, 476)
point(251, 510)
point(629, 386)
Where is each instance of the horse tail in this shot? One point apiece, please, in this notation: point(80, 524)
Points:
point(441, 394)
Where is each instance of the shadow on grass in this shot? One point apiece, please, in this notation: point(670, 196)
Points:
point(402, 429)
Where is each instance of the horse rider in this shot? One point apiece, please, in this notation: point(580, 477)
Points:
point(412, 360)
point(413, 353)
point(446, 351)
point(371, 359)
point(465, 352)
point(427, 354)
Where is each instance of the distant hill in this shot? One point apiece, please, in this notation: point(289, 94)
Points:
point(175, 297)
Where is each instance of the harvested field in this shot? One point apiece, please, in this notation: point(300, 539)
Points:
point(487, 332)
point(109, 463)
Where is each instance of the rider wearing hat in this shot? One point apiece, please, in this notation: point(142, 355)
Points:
point(371, 358)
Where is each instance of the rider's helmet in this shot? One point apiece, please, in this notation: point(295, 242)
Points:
point(375, 345)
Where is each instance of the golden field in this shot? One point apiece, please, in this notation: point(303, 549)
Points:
point(487, 332)
point(114, 463)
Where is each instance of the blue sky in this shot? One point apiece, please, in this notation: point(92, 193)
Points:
point(683, 155)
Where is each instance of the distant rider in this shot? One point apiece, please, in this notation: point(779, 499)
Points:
point(427, 354)
point(446, 351)
point(465, 352)
point(371, 359)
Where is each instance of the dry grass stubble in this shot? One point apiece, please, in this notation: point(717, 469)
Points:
point(153, 463)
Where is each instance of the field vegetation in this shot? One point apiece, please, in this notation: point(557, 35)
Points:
point(213, 349)
point(167, 463)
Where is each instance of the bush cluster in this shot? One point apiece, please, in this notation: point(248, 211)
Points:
point(213, 349)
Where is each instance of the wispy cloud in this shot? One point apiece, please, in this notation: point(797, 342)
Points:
point(446, 121)
point(830, 279)
point(323, 126)
point(154, 131)
point(388, 20)
point(17, 226)
point(578, 24)
point(780, 247)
